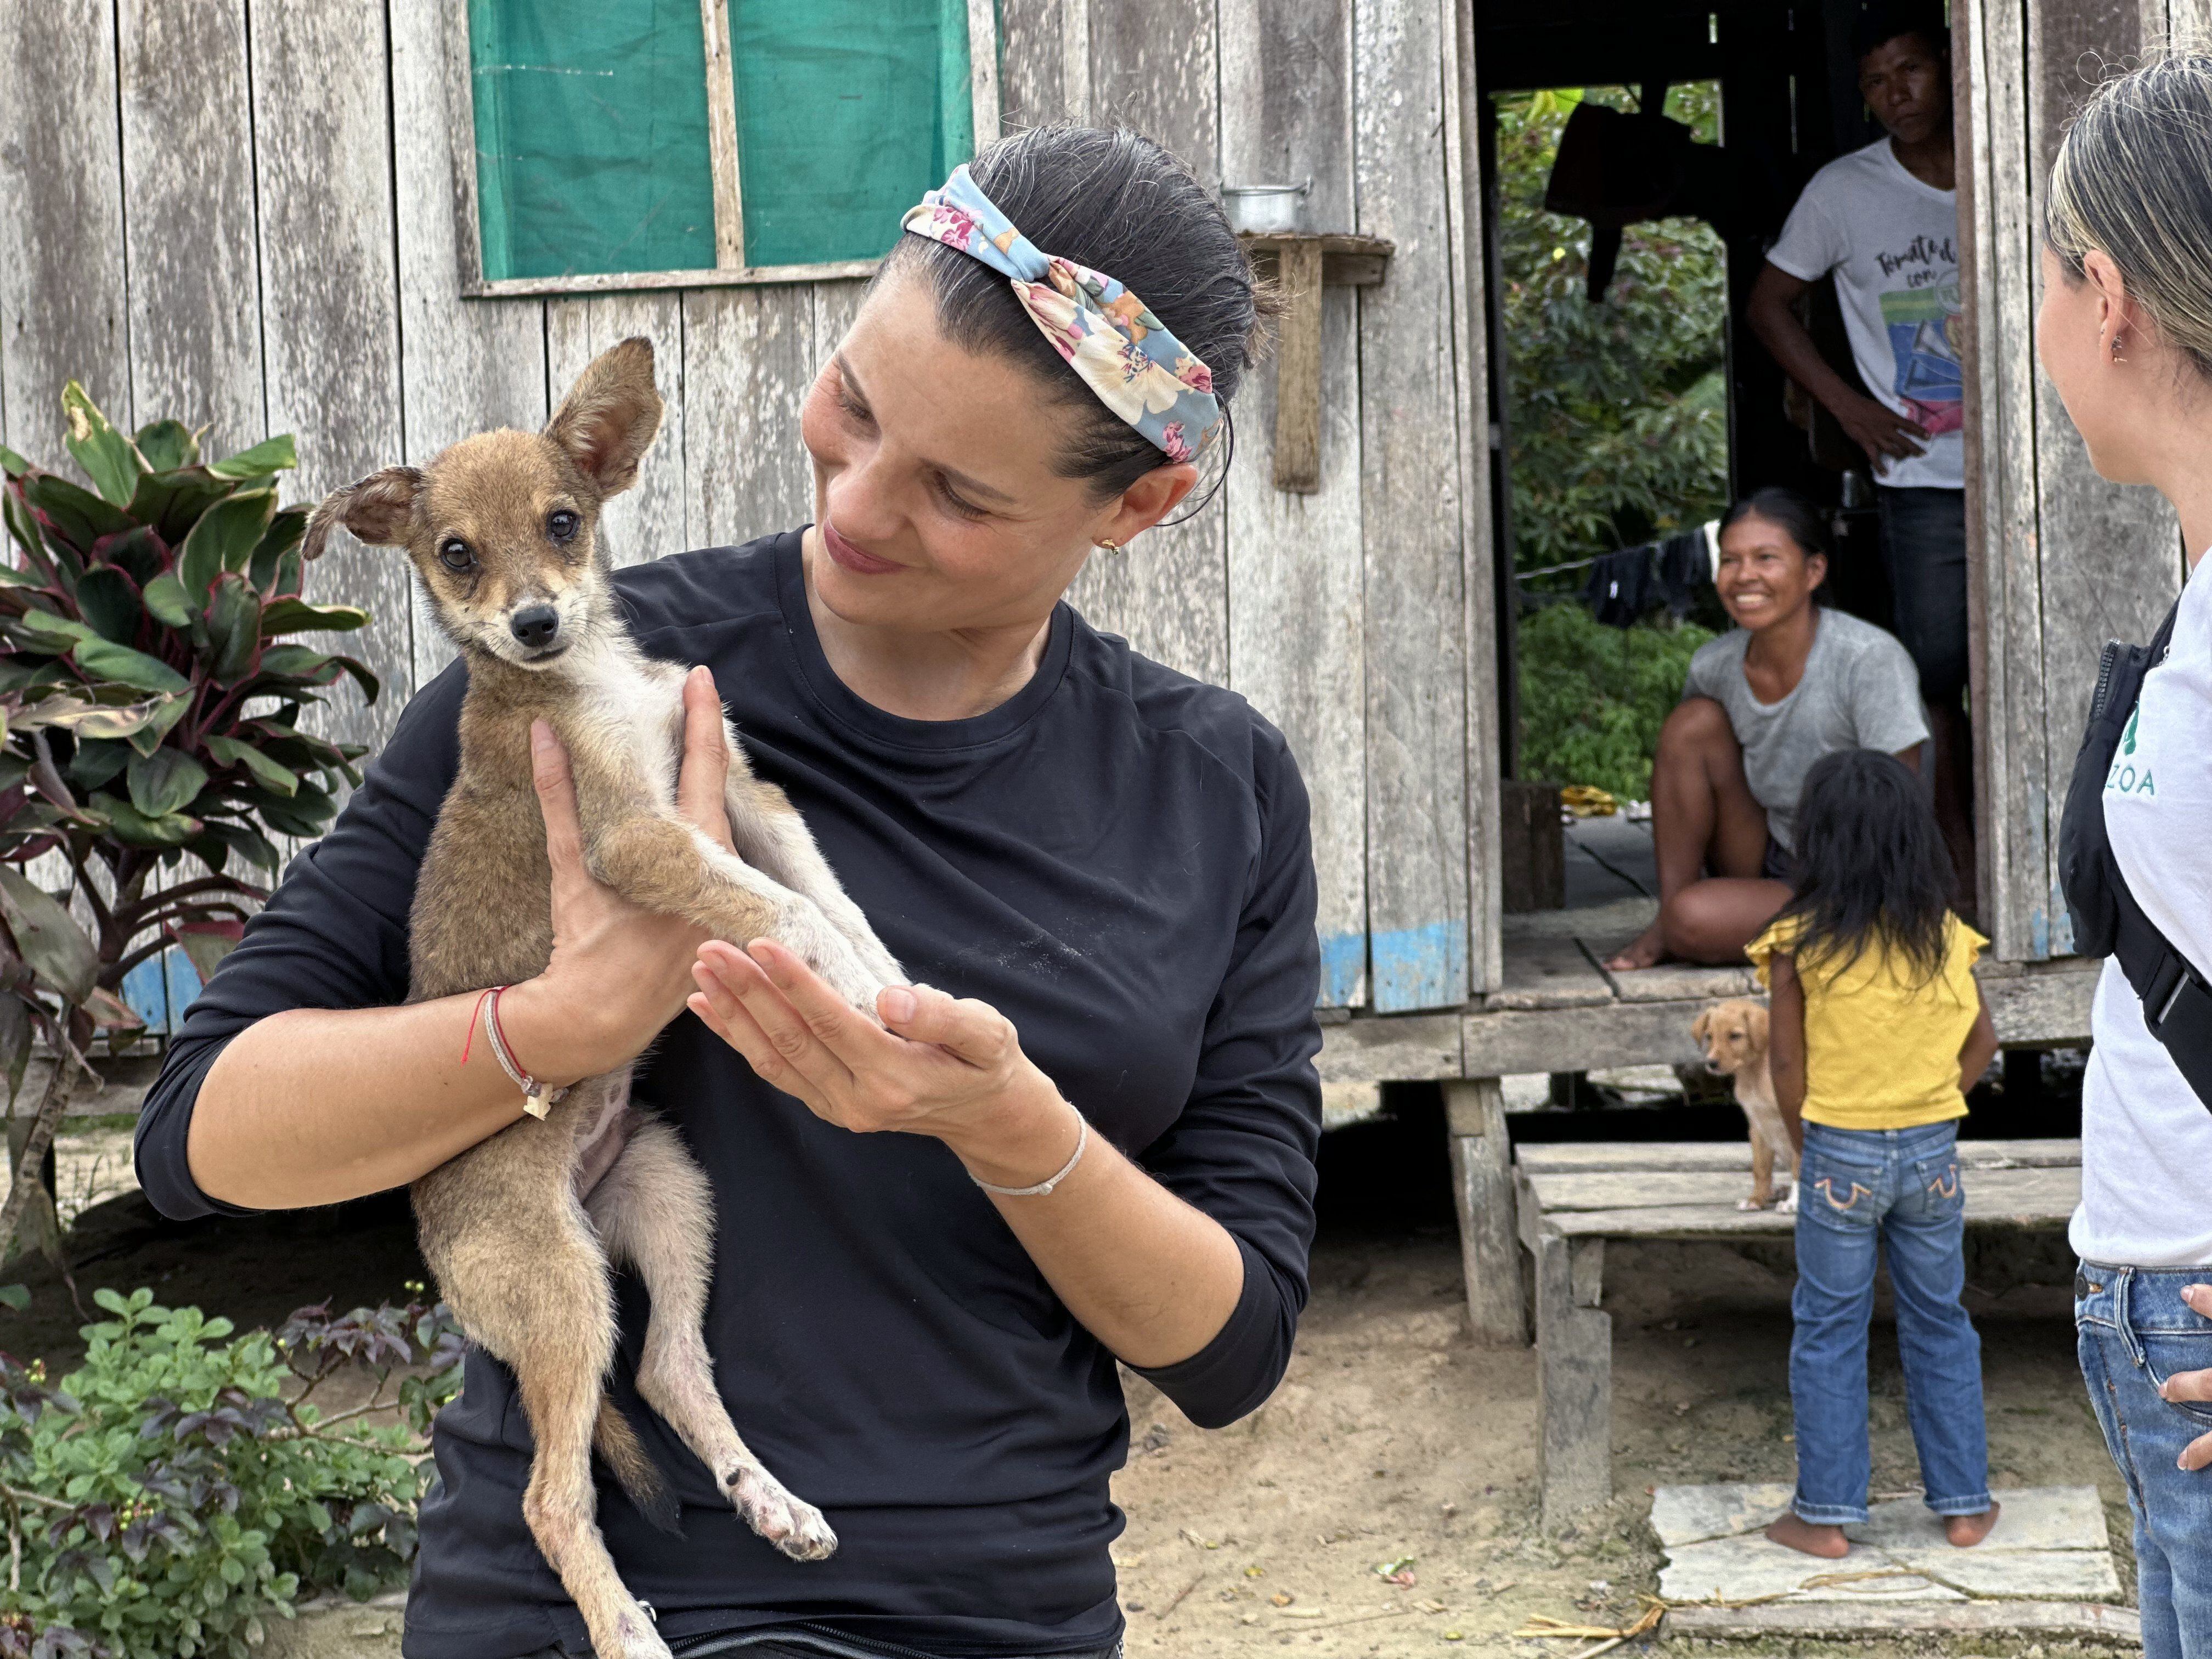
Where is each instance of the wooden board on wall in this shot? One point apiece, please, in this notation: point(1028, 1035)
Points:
point(1033, 48)
point(62, 306)
point(330, 303)
point(1464, 199)
point(1998, 253)
point(465, 365)
point(1410, 519)
point(188, 181)
point(1296, 626)
point(2111, 554)
point(748, 360)
point(1153, 66)
point(646, 521)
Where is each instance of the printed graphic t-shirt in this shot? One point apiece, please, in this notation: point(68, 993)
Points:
point(1881, 1040)
point(2145, 1138)
point(1859, 690)
point(1892, 242)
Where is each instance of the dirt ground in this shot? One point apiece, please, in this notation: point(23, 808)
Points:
point(1382, 1503)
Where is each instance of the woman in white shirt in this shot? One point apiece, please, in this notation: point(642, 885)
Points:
point(2125, 335)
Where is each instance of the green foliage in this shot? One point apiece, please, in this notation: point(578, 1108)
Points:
point(177, 1486)
point(150, 709)
point(1593, 697)
point(1617, 413)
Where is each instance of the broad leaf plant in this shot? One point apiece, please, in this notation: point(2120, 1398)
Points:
point(151, 696)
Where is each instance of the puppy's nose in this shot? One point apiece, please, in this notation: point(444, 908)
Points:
point(535, 625)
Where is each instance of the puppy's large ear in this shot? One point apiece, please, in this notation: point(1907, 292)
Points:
point(611, 417)
point(1701, 1027)
point(1754, 1022)
point(380, 509)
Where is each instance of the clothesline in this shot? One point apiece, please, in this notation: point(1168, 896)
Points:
point(1711, 533)
point(1554, 569)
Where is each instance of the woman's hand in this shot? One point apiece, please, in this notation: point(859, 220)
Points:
point(619, 973)
point(937, 1067)
point(2193, 1386)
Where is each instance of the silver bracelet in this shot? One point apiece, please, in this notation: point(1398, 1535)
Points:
point(536, 1098)
point(1082, 1140)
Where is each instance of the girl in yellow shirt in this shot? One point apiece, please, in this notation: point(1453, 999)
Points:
point(1878, 1029)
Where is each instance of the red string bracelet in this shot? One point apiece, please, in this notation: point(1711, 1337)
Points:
point(536, 1098)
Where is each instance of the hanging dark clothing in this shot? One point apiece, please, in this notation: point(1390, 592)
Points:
point(1684, 567)
point(1620, 587)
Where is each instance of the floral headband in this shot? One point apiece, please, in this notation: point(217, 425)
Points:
point(1139, 370)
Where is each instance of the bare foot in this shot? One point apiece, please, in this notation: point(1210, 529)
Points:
point(1965, 1531)
point(1646, 949)
point(1812, 1537)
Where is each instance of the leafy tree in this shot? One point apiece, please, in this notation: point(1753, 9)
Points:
point(1618, 412)
point(1593, 697)
point(149, 709)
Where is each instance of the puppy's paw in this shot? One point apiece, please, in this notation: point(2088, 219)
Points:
point(1749, 1204)
point(633, 1638)
point(1789, 1204)
point(794, 1527)
point(808, 935)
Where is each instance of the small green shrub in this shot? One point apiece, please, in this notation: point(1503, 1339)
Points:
point(166, 1497)
point(1593, 697)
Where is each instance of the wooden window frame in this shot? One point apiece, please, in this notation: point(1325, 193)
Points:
point(730, 268)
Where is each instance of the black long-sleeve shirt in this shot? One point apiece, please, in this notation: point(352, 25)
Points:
point(1117, 858)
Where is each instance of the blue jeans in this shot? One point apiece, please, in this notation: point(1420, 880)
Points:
point(1900, 1187)
point(2134, 1331)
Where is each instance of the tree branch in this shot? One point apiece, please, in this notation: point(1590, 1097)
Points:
point(43, 1126)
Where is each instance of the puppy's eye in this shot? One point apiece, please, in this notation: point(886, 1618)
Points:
point(454, 554)
point(562, 526)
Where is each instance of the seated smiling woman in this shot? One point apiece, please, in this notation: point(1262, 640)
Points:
point(1106, 1117)
point(1791, 681)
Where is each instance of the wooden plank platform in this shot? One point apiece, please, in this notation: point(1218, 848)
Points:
point(1570, 1200)
point(1555, 1011)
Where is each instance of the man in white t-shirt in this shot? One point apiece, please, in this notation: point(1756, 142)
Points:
point(1883, 221)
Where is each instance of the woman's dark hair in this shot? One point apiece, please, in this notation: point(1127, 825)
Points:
point(1786, 510)
point(1118, 202)
point(1871, 868)
point(1792, 515)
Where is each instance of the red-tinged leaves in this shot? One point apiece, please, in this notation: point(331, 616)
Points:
point(76, 514)
point(111, 460)
point(234, 631)
point(207, 943)
point(65, 960)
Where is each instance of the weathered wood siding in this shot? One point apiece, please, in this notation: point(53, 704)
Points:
point(2068, 559)
point(202, 215)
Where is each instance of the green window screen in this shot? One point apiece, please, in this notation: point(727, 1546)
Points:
point(591, 132)
point(848, 110)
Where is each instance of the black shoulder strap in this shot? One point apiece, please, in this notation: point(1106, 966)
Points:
point(2177, 1002)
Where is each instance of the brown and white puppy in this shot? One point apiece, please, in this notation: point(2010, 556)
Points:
point(501, 529)
point(1734, 1036)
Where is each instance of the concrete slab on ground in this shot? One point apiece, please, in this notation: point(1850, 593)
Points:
point(2048, 1545)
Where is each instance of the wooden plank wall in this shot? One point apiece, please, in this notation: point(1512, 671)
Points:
point(2071, 560)
point(197, 218)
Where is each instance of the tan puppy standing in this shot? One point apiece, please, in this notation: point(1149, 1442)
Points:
point(521, 1228)
point(1734, 1036)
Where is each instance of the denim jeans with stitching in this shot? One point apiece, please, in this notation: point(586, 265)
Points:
point(1899, 1190)
point(2134, 1331)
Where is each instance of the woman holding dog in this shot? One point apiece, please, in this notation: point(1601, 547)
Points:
point(1106, 1116)
point(2125, 335)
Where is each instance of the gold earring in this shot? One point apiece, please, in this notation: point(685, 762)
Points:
point(1109, 545)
